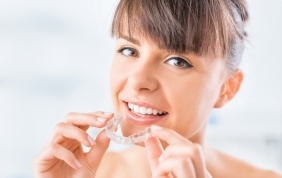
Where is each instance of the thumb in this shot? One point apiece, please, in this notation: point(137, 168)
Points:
point(96, 153)
point(154, 150)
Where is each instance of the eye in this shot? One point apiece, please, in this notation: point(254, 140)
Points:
point(178, 62)
point(127, 51)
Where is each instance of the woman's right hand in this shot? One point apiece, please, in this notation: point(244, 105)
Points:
point(63, 155)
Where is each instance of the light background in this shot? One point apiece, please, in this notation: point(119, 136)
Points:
point(55, 58)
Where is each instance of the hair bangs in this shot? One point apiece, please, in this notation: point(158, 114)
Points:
point(171, 27)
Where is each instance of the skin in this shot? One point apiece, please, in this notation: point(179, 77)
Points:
point(146, 75)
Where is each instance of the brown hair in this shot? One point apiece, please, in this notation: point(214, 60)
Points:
point(206, 27)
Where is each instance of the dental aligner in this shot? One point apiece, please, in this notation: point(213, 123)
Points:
point(113, 125)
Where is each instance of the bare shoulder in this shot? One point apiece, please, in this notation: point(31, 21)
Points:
point(231, 166)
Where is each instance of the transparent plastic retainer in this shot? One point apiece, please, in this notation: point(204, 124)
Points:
point(113, 125)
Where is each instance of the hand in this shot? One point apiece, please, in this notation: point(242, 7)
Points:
point(181, 158)
point(63, 155)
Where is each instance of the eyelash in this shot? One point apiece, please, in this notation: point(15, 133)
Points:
point(185, 64)
point(132, 50)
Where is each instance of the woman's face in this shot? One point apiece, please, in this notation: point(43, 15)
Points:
point(151, 85)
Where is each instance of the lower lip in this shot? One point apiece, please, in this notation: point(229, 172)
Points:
point(143, 120)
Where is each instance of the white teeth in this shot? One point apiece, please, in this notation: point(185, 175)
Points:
point(143, 110)
point(130, 106)
point(155, 112)
point(149, 111)
point(136, 108)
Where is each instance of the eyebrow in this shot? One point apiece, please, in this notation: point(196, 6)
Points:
point(130, 39)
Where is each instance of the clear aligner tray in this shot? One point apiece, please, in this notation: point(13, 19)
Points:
point(113, 125)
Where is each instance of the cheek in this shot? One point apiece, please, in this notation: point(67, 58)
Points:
point(120, 71)
point(192, 103)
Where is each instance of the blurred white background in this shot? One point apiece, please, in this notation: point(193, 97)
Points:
point(55, 58)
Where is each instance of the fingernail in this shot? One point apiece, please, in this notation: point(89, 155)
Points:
point(78, 164)
point(101, 119)
point(107, 113)
point(156, 127)
point(91, 140)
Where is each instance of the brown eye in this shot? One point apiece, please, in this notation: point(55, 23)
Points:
point(178, 62)
point(126, 51)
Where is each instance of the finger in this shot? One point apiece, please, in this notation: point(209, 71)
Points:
point(56, 151)
point(96, 119)
point(65, 131)
point(96, 153)
point(168, 135)
point(177, 166)
point(153, 149)
point(194, 152)
point(198, 160)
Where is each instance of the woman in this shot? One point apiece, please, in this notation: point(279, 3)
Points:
point(175, 61)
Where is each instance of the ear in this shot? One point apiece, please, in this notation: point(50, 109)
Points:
point(230, 88)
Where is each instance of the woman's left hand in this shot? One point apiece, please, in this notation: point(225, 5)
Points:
point(181, 158)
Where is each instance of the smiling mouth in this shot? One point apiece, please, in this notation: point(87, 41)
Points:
point(144, 111)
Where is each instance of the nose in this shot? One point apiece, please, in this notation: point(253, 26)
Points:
point(142, 77)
